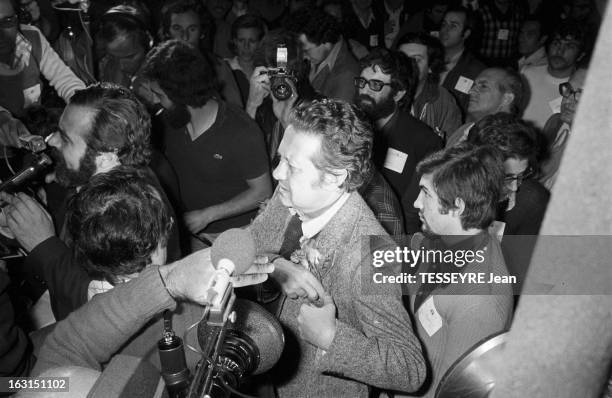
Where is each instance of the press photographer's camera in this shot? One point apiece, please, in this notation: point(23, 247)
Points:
point(280, 76)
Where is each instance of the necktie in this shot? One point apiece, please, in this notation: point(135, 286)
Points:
point(291, 241)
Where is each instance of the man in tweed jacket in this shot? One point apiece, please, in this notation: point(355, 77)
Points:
point(341, 335)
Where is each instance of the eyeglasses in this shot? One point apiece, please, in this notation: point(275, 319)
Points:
point(566, 90)
point(519, 178)
point(375, 85)
point(9, 22)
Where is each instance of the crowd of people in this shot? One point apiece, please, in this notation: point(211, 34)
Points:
point(312, 124)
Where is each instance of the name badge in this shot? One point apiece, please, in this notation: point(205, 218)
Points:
point(464, 84)
point(31, 95)
point(429, 317)
point(373, 40)
point(395, 160)
point(555, 105)
point(503, 34)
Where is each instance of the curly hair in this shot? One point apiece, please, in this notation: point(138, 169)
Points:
point(435, 52)
point(346, 138)
point(318, 26)
point(185, 75)
point(474, 174)
point(513, 137)
point(116, 222)
point(402, 69)
point(120, 123)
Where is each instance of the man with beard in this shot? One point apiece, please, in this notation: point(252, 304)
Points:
point(25, 55)
point(565, 50)
point(459, 191)
point(104, 127)
point(384, 90)
point(217, 151)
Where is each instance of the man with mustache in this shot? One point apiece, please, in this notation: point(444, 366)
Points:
point(216, 149)
point(565, 50)
point(104, 127)
point(384, 91)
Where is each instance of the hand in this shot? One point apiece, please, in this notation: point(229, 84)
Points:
point(296, 281)
point(197, 220)
point(11, 129)
point(282, 109)
point(259, 88)
point(189, 278)
point(317, 325)
point(27, 219)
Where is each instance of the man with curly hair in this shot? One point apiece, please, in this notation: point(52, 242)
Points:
point(384, 90)
point(340, 336)
point(102, 128)
point(216, 149)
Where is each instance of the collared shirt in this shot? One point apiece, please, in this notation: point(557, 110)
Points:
point(449, 65)
point(23, 49)
point(536, 59)
point(329, 61)
point(394, 18)
point(313, 226)
point(365, 22)
point(97, 287)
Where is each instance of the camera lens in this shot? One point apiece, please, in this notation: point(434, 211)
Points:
point(281, 89)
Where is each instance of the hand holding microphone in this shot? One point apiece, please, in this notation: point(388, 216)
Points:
point(190, 278)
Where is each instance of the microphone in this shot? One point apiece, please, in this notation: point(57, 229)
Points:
point(41, 162)
point(232, 253)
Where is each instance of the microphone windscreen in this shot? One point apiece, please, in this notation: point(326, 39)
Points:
point(263, 328)
point(236, 245)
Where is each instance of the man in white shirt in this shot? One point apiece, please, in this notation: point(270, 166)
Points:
point(564, 51)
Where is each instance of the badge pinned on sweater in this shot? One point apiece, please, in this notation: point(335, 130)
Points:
point(373, 40)
point(395, 160)
point(31, 95)
point(503, 34)
point(464, 84)
point(429, 317)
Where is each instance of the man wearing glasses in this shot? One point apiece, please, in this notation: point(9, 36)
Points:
point(384, 91)
point(25, 54)
point(558, 127)
point(565, 50)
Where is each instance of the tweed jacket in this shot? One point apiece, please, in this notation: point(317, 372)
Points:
point(374, 342)
point(338, 82)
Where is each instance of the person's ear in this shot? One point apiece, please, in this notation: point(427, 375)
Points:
point(467, 33)
point(507, 100)
point(336, 178)
point(459, 208)
point(397, 97)
point(106, 161)
point(543, 40)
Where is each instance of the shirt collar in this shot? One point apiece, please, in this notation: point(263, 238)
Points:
point(331, 58)
point(365, 23)
point(313, 226)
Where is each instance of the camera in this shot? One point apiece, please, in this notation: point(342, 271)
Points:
point(280, 76)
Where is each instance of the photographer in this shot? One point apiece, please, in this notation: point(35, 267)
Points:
point(278, 83)
point(267, 106)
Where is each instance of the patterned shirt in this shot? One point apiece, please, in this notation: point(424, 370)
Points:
point(500, 31)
